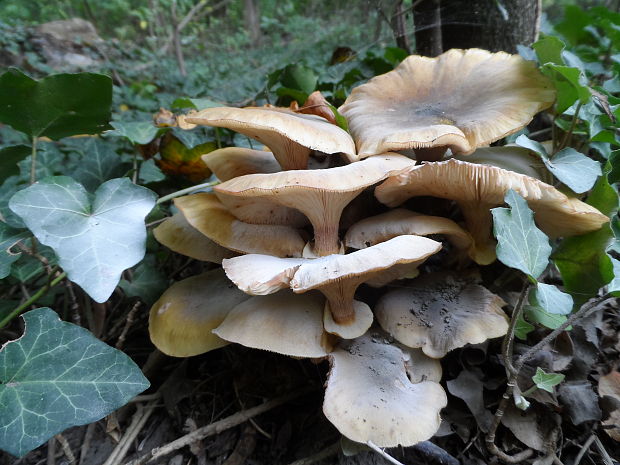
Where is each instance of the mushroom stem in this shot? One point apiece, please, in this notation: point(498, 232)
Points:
point(290, 154)
point(324, 212)
point(340, 298)
point(326, 240)
point(480, 224)
point(430, 154)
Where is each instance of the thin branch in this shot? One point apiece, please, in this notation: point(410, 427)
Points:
point(325, 453)
point(383, 453)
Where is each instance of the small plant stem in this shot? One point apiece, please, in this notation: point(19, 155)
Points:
point(36, 296)
point(515, 368)
point(218, 139)
point(189, 190)
point(33, 161)
point(383, 453)
point(508, 342)
point(569, 133)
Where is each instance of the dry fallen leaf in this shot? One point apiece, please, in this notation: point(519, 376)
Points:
point(609, 385)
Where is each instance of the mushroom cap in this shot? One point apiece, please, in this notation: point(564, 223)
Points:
point(420, 367)
point(231, 162)
point(179, 236)
point(362, 321)
point(379, 228)
point(284, 323)
point(511, 158)
point(439, 313)
point(205, 213)
point(280, 130)
point(180, 322)
point(477, 188)
point(460, 100)
point(321, 195)
point(369, 397)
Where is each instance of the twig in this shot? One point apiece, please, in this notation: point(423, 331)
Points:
point(507, 344)
point(156, 222)
point(90, 430)
point(383, 453)
point(128, 322)
point(584, 449)
point(51, 451)
point(569, 133)
point(137, 423)
point(325, 453)
point(33, 161)
point(189, 190)
point(75, 307)
point(65, 448)
point(601, 450)
point(214, 428)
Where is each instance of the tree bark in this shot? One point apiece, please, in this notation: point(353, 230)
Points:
point(251, 14)
point(490, 24)
point(427, 22)
point(398, 26)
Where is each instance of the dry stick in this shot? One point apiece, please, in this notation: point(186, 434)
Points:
point(90, 430)
point(75, 306)
point(516, 368)
point(584, 449)
point(65, 448)
point(383, 453)
point(215, 428)
point(601, 450)
point(137, 423)
point(325, 453)
point(51, 451)
point(128, 322)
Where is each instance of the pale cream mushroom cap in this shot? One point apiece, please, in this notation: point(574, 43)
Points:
point(420, 367)
point(205, 213)
point(370, 399)
point(181, 321)
point(231, 162)
point(477, 188)
point(290, 136)
point(460, 100)
point(399, 221)
point(439, 313)
point(179, 236)
point(336, 276)
point(321, 195)
point(284, 323)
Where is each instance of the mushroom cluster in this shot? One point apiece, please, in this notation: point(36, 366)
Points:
point(301, 227)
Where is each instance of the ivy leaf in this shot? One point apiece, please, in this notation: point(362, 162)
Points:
point(537, 314)
point(546, 381)
point(614, 285)
point(147, 283)
point(299, 77)
point(150, 172)
point(99, 163)
point(50, 161)
point(8, 238)
point(58, 375)
point(137, 132)
point(551, 299)
point(523, 328)
point(574, 169)
point(194, 103)
point(549, 50)
point(9, 157)
point(520, 244)
point(28, 267)
point(94, 243)
point(56, 106)
point(532, 145)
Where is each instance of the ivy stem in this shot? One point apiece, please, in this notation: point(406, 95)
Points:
point(7, 319)
point(189, 190)
point(33, 161)
point(569, 133)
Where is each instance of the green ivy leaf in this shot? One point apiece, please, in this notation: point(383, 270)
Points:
point(99, 163)
point(614, 285)
point(94, 243)
point(574, 169)
point(546, 381)
point(523, 328)
point(614, 161)
point(137, 132)
point(50, 161)
point(58, 375)
point(532, 145)
point(520, 244)
point(56, 106)
point(150, 172)
point(538, 315)
point(8, 238)
point(549, 50)
point(147, 283)
point(195, 103)
point(299, 77)
point(9, 157)
point(551, 299)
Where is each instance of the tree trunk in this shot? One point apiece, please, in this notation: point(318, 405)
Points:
point(398, 27)
point(427, 22)
point(251, 15)
point(490, 24)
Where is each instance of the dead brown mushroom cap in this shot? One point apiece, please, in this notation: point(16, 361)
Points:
point(379, 228)
point(290, 136)
point(284, 323)
point(370, 399)
point(439, 313)
point(181, 321)
point(179, 236)
point(460, 100)
point(477, 188)
point(336, 276)
point(321, 195)
point(205, 213)
point(231, 162)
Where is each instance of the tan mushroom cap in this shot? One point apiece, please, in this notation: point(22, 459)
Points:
point(231, 162)
point(181, 321)
point(440, 312)
point(379, 228)
point(336, 276)
point(205, 213)
point(284, 323)
point(477, 188)
point(370, 399)
point(290, 136)
point(179, 236)
point(321, 195)
point(460, 100)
